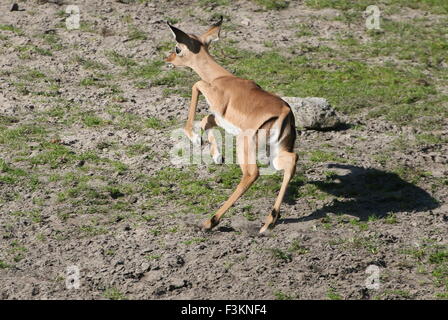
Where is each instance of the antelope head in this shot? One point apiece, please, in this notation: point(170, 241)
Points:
point(190, 48)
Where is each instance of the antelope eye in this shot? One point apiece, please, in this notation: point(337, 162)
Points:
point(177, 50)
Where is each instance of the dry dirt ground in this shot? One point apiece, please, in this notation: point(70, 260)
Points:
point(86, 179)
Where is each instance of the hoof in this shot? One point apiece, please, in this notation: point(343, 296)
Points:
point(264, 228)
point(196, 139)
point(218, 159)
point(209, 224)
point(270, 221)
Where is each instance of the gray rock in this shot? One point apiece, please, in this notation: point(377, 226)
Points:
point(145, 266)
point(174, 261)
point(245, 22)
point(177, 283)
point(313, 113)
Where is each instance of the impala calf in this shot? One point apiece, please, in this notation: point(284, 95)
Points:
point(243, 109)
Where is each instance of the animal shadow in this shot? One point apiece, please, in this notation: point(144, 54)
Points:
point(369, 192)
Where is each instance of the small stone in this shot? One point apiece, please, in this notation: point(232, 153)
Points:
point(177, 283)
point(35, 291)
point(175, 261)
point(159, 291)
point(145, 266)
point(119, 262)
point(245, 22)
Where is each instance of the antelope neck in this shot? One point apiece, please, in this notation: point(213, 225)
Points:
point(208, 69)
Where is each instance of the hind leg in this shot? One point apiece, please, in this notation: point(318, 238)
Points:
point(284, 161)
point(250, 174)
point(246, 157)
point(207, 123)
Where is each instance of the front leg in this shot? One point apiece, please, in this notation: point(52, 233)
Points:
point(195, 138)
point(214, 98)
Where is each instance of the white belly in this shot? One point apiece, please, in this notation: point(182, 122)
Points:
point(226, 125)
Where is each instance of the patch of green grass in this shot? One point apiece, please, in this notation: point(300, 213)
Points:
point(52, 40)
point(205, 3)
point(10, 175)
point(312, 191)
point(11, 28)
point(435, 6)
point(91, 230)
point(91, 120)
point(7, 120)
point(138, 149)
point(22, 88)
point(361, 225)
point(248, 214)
point(401, 293)
point(280, 295)
point(119, 167)
point(154, 123)
point(429, 139)
point(438, 257)
point(280, 254)
point(33, 215)
point(325, 156)
point(369, 244)
point(114, 294)
point(89, 64)
point(120, 60)
point(303, 30)
point(442, 295)
point(171, 78)
point(17, 250)
point(165, 46)
point(387, 89)
point(153, 257)
point(172, 20)
point(158, 124)
point(115, 192)
point(176, 81)
point(273, 4)
point(4, 265)
point(99, 80)
point(135, 33)
point(142, 84)
point(391, 219)
point(182, 187)
point(33, 75)
point(149, 70)
point(373, 218)
point(87, 26)
point(28, 132)
point(297, 248)
point(332, 294)
point(42, 51)
point(434, 259)
point(53, 154)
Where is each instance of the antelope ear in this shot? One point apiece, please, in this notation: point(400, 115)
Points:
point(212, 34)
point(181, 37)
